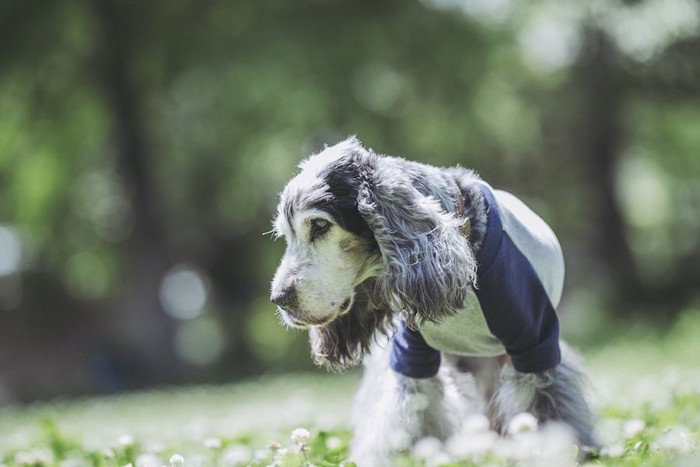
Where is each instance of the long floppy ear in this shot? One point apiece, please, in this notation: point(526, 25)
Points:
point(428, 263)
point(344, 341)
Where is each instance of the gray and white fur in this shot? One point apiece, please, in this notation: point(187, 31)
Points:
point(373, 238)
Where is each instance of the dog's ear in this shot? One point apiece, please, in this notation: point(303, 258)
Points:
point(428, 262)
point(344, 341)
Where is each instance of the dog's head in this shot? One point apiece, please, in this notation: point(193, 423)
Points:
point(367, 236)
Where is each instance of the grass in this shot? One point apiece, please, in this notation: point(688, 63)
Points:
point(646, 389)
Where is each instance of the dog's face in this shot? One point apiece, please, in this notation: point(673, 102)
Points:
point(367, 236)
point(320, 269)
point(329, 247)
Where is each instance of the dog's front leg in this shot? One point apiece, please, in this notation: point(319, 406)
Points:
point(392, 411)
point(554, 395)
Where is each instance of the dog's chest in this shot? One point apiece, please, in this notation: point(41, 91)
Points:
point(464, 333)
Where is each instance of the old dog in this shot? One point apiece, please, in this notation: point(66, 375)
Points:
point(445, 287)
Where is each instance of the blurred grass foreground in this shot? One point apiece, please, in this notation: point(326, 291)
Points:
point(644, 387)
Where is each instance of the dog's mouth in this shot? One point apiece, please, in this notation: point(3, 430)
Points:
point(293, 321)
point(345, 306)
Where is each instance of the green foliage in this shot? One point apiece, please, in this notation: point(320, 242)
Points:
point(139, 136)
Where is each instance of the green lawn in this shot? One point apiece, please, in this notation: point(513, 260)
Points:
point(646, 388)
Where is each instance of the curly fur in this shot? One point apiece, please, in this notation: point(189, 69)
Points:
point(343, 342)
point(428, 263)
point(408, 222)
point(554, 395)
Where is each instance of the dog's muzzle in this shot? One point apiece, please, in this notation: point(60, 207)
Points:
point(298, 319)
point(285, 299)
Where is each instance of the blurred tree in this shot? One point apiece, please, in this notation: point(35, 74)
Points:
point(142, 146)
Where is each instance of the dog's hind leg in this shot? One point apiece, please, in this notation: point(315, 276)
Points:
point(554, 395)
point(392, 411)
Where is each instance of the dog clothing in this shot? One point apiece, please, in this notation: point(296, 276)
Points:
point(511, 309)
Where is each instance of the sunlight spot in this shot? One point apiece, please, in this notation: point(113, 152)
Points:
point(380, 89)
point(644, 193)
point(184, 292)
point(643, 29)
point(549, 42)
point(10, 250)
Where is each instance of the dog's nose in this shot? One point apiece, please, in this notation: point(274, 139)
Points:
point(284, 299)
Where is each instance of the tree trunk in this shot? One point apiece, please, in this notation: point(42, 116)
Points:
point(146, 327)
point(601, 143)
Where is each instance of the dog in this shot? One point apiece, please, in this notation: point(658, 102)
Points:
point(445, 287)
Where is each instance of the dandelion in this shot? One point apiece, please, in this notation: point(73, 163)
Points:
point(300, 437)
point(522, 423)
point(177, 460)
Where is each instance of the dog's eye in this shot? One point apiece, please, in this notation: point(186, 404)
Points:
point(319, 227)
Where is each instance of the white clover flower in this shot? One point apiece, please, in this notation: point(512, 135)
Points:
point(300, 437)
point(125, 440)
point(476, 423)
point(274, 446)
point(419, 402)
point(260, 455)
point(177, 460)
point(675, 439)
point(236, 455)
point(399, 439)
point(472, 445)
point(633, 427)
point(333, 443)
point(212, 443)
point(107, 453)
point(279, 455)
point(522, 423)
point(72, 462)
point(521, 447)
point(427, 448)
point(557, 445)
point(441, 458)
point(148, 460)
point(616, 450)
point(39, 456)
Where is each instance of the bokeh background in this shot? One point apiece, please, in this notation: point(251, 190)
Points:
point(143, 145)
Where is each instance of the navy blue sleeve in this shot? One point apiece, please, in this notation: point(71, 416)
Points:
point(411, 356)
point(515, 304)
